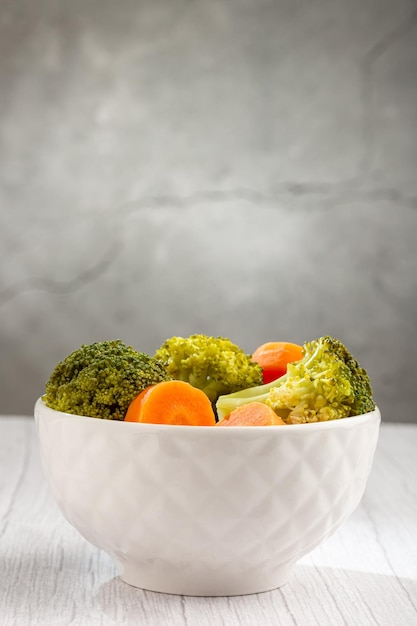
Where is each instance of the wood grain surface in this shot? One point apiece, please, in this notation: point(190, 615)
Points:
point(366, 573)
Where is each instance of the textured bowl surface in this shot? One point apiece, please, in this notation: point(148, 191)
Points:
point(198, 510)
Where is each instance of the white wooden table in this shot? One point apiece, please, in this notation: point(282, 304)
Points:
point(366, 573)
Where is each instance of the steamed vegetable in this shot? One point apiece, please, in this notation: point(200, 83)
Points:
point(252, 414)
point(213, 364)
point(328, 383)
point(101, 379)
point(274, 357)
point(172, 402)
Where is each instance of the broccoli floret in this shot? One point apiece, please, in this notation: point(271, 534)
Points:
point(328, 383)
point(101, 379)
point(213, 364)
point(360, 381)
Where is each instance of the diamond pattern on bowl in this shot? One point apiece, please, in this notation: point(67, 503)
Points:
point(205, 511)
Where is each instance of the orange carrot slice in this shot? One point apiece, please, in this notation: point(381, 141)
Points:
point(172, 402)
point(134, 408)
point(274, 357)
point(252, 414)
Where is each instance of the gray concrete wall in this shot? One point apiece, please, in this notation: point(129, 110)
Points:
point(241, 168)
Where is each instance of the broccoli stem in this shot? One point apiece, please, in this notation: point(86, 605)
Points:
point(226, 404)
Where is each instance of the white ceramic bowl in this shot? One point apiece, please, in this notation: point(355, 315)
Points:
point(199, 510)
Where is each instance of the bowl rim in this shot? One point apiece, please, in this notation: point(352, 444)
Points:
point(346, 422)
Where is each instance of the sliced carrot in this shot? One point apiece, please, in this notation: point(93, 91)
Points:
point(252, 414)
point(274, 357)
point(172, 402)
point(135, 406)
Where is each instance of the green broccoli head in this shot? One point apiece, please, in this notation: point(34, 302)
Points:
point(328, 383)
point(101, 379)
point(213, 364)
point(359, 378)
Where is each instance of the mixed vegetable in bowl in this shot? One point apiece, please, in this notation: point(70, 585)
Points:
point(210, 381)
